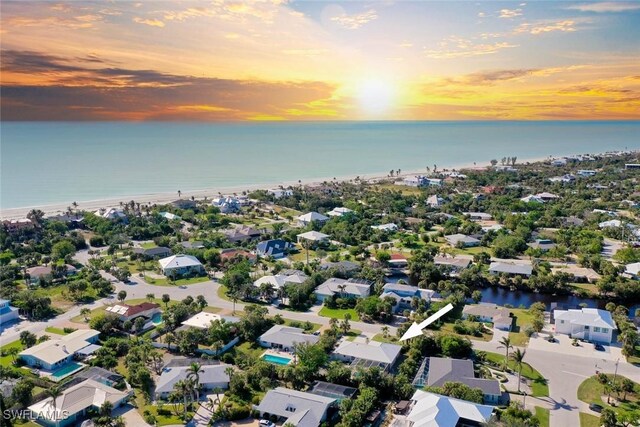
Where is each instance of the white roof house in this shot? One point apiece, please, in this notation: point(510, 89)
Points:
point(385, 227)
point(339, 211)
point(169, 216)
point(590, 324)
point(280, 192)
point(279, 280)
point(611, 223)
point(434, 410)
point(435, 201)
point(482, 216)
point(456, 239)
point(547, 196)
point(353, 288)
point(373, 353)
point(74, 401)
point(532, 199)
point(55, 352)
point(204, 319)
point(310, 217)
point(298, 408)
point(111, 213)
point(210, 377)
point(511, 268)
point(284, 337)
point(313, 236)
point(633, 270)
point(180, 264)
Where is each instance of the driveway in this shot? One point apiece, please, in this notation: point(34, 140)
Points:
point(564, 346)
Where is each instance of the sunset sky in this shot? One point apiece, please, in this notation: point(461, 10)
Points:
point(303, 60)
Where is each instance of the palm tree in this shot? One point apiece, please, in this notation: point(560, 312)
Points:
point(518, 358)
point(54, 392)
point(169, 339)
point(229, 371)
point(179, 194)
point(341, 289)
point(505, 343)
point(385, 331)
point(184, 389)
point(193, 372)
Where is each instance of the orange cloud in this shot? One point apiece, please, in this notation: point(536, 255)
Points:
point(150, 22)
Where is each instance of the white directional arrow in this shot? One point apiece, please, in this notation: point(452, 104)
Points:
point(415, 330)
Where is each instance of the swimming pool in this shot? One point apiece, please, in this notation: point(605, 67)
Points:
point(66, 371)
point(156, 319)
point(278, 360)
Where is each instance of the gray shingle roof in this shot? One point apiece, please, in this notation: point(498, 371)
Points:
point(287, 336)
point(210, 374)
point(442, 370)
point(300, 408)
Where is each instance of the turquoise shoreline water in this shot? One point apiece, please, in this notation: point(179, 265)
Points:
point(47, 163)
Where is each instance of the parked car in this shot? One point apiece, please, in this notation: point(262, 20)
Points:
point(266, 423)
point(598, 347)
point(595, 407)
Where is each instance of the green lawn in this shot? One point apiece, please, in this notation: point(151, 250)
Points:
point(338, 313)
point(148, 245)
point(179, 282)
point(591, 391)
point(353, 334)
point(542, 414)
point(539, 385)
point(54, 330)
point(448, 328)
point(588, 420)
point(389, 339)
point(7, 361)
point(316, 326)
point(522, 319)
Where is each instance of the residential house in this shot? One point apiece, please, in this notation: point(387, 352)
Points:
point(420, 181)
point(153, 253)
point(632, 270)
point(170, 216)
point(74, 404)
point(16, 225)
point(313, 238)
point(613, 223)
point(532, 199)
point(351, 288)
point(389, 227)
point(275, 248)
point(229, 254)
point(586, 172)
point(334, 391)
point(283, 337)
point(511, 269)
point(435, 201)
point(212, 375)
point(184, 204)
point(112, 214)
point(478, 216)
point(47, 272)
point(279, 193)
point(308, 218)
point(278, 281)
point(564, 179)
point(373, 353)
point(181, 266)
point(226, 204)
point(345, 267)
point(547, 197)
point(204, 319)
point(559, 162)
point(192, 245)
point(397, 261)
point(434, 410)
point(542, 244)
point(492, 227)
point(339, 212)
point(462, 240)
point(404, 295)
point(589, 324)
point(126, 312)
point(453, 264)
point(56, 352)
point(489, 313)
point(242, 234)
point(8, 314)
point(297, 408)
point(441, 370)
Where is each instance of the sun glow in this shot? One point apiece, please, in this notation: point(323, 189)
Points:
point(375, 96)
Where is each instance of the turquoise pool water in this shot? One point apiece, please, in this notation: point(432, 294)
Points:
point(157, 318)
point(279, 360)
point(66, 370)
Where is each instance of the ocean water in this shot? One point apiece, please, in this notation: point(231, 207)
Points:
point(49, 163)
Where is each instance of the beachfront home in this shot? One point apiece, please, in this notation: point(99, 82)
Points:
point(74, 403)
point(373, 353)
point(59, 350)
point(434, 410)
point(440, 370)
point(204, 319)
point(242, 234)
point(489, 313)
point(181, 266)
point(308, 218)
point(184, 204)
point(352, 288)
point(632, 270)
point(8, 314)
point(457, 240)
point(339, 212)
point(126, 312)
point(421, 181)
point(296, 408)
point(152, 253)
point(283, 337)
point(14, 226)
point(112, 214)
point(279, 193)
point(453, 265)
point(212, 375)
point(589, 324)
point(276, 248)
point(170, 216)
point(511, 269)
point(313, 238)
point(49, 272)
point(226, 204)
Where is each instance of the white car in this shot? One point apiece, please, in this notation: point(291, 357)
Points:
point(266, 423)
